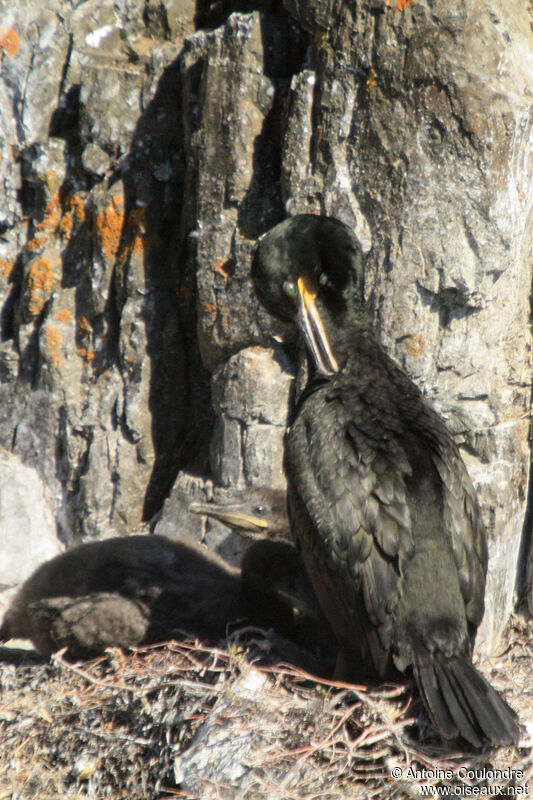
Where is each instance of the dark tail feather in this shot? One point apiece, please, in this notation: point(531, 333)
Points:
point(460, 702)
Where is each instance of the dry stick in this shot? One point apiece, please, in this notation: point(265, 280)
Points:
point(195, 685)
point(58, 658)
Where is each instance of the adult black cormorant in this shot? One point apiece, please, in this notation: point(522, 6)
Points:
point(136, 590)
point(380, 502)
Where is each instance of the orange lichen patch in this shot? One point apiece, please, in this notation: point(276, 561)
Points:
point(87, 355)
point(415, 344)
point(53, 345)
point(75, 204)
point(109, 225)
point(371, 81)
point(40, 282)
point(37, 243)
point(55, 219)
point(6, 268)
point(225, 267)
point(9, 41)
point(401, 5)
point(52, 215)
point(66, 225)
point(74, 214)
point(64, 315)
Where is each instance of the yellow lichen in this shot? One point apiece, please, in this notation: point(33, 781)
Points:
point(64, 315)
point(75, 213)
point(6, 268)
point(37, 243)
point(53, 345)
point(85, 354)
point(9, 41)
point(109, 224)
point(40, 283)
point(52, 215)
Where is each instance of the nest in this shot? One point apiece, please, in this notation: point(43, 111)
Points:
point(182, 720)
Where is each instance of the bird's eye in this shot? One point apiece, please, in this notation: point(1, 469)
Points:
point(260, 511)
point(290, 289)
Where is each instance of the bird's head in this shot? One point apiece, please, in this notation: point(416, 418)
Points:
point(309, 270)
point(251, 512)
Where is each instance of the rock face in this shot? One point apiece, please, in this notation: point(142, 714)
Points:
point(27, 527)
point(28, 533)
point(145, 145)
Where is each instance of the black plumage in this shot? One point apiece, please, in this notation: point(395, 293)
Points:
point(380, 502)
point(136, 590)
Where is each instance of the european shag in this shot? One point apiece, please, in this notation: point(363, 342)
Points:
point(380, 501)
point(136, 590)
point(259, 513)
point(256, 512)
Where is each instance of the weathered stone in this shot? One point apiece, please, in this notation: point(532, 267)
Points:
point(28, 532)
point(250, 399)
point(79, 292)
point(228, 107)
point(102, 90)
point(225, 745)
point(30, 68)
point(140, 158)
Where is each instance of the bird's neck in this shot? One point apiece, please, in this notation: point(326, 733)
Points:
point(348, 330)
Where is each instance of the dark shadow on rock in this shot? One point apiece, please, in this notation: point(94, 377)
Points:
point(155, 266)
point(284, 46)
point(179, 397)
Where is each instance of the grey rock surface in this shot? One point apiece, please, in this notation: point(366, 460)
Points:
point(227, 750)
point(249, 395)
point(146, 145)
point(28, 533)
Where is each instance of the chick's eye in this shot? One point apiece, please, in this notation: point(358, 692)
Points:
point(260, 511)
point(290, 289)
